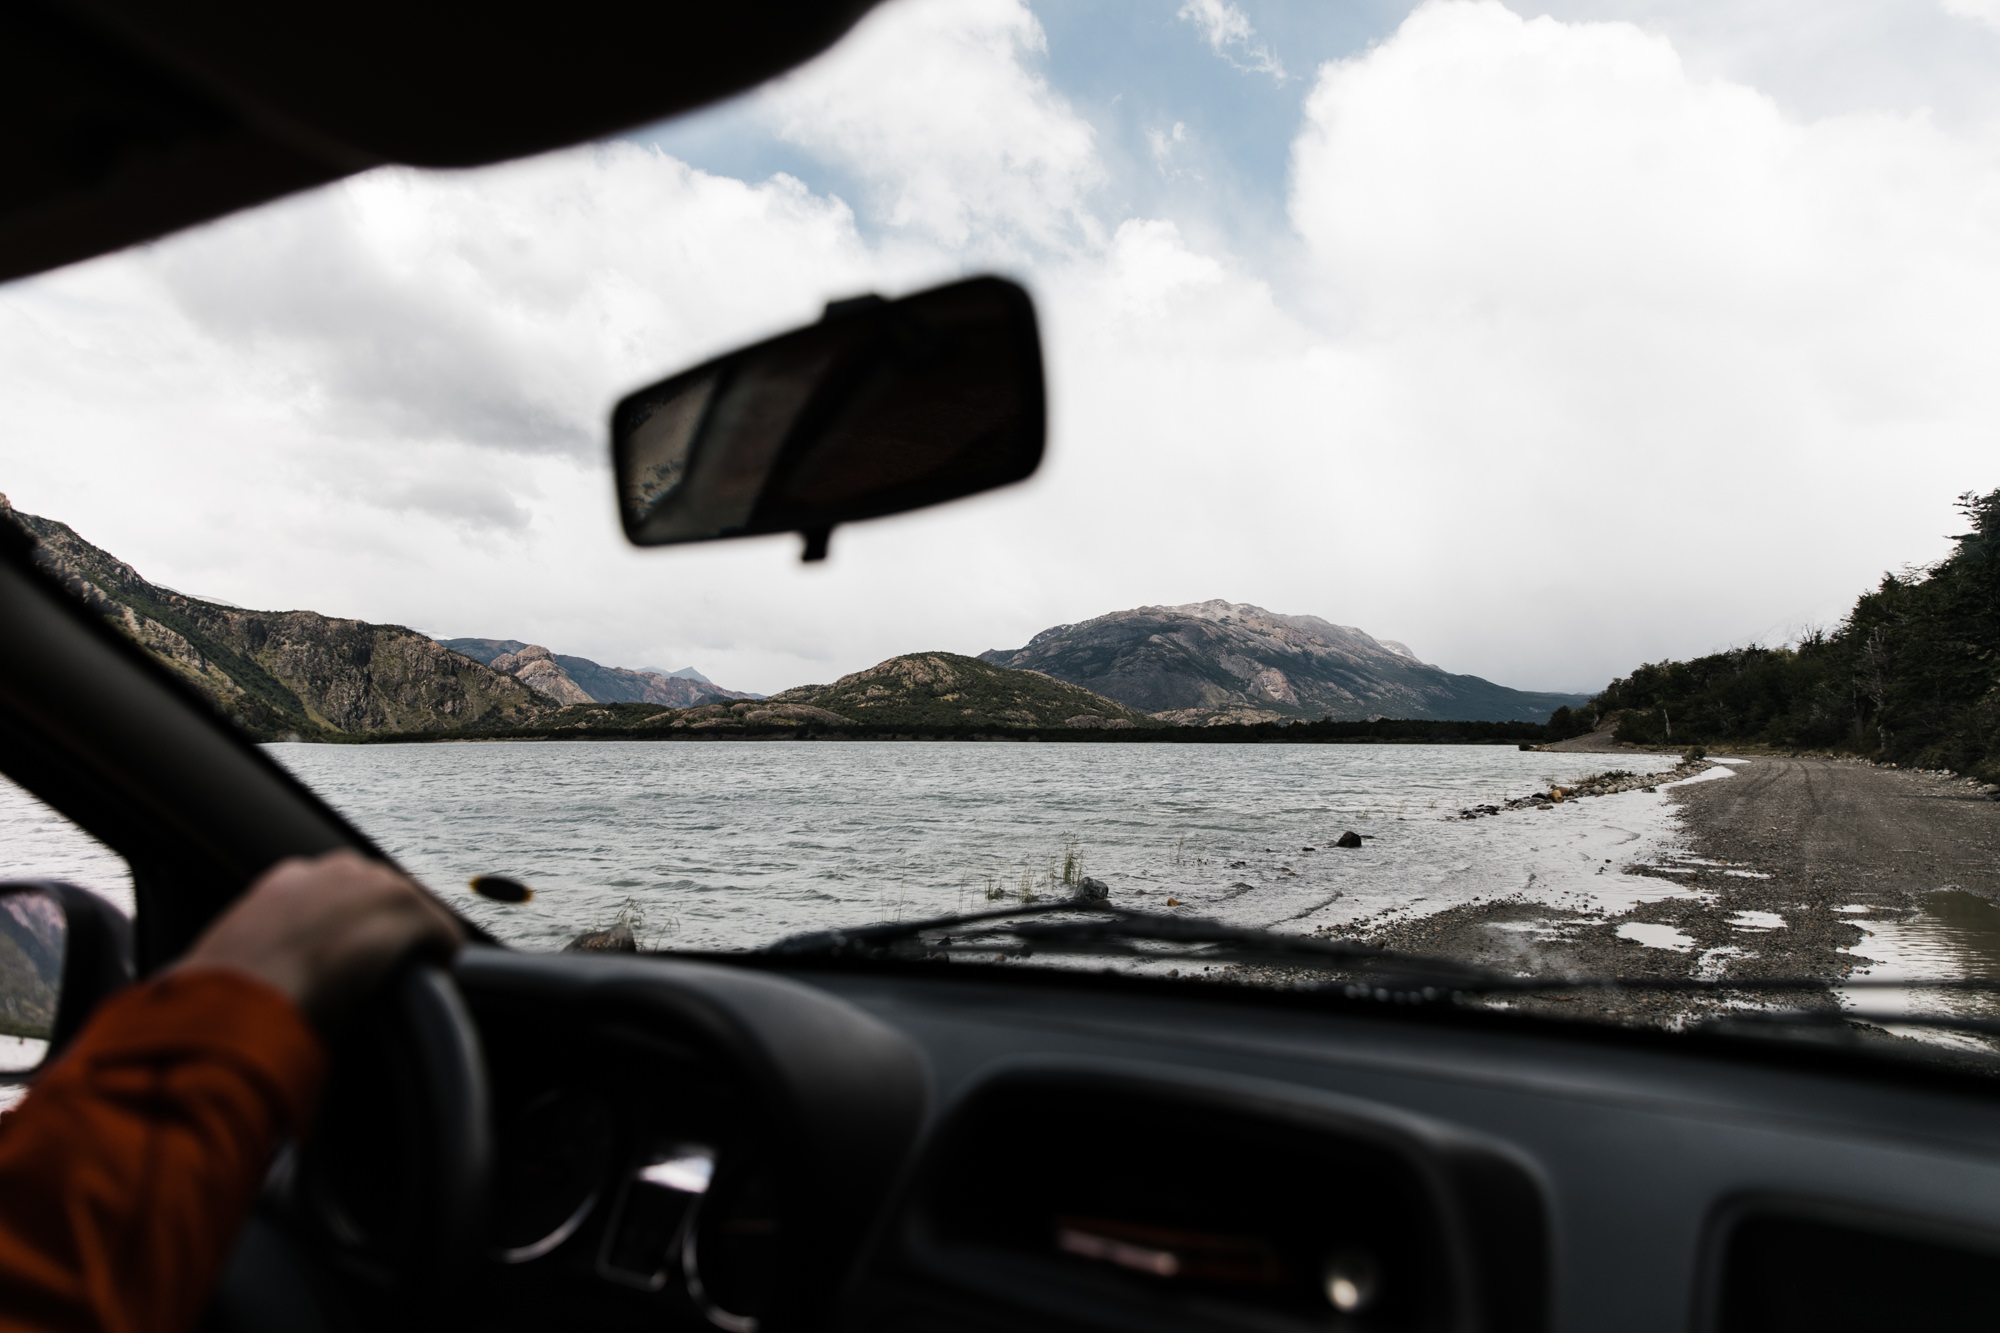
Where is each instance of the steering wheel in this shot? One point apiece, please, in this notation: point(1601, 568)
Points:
point(447, 1110)
point(380, 1217)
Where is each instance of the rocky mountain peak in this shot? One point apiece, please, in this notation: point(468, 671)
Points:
point(1223, 661)
point(1275, 625)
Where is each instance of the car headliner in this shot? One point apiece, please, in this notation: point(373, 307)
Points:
point(127, 120)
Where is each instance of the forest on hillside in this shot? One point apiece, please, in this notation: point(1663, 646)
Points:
point(1912, 675)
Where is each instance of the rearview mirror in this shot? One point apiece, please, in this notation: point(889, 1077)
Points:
point(881, 407)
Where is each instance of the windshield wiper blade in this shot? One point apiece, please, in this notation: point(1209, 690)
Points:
point(859, 940)
point(1103, 930)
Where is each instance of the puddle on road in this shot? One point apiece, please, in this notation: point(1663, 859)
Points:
point(1756, 921)
point(1952, 934)
point(1656, 936)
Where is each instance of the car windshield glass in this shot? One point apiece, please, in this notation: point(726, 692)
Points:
point(1476, 442)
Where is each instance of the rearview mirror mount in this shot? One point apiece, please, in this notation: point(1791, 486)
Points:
point(881, 407)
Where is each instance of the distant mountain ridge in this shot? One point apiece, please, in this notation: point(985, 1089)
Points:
point(1217, 661)
point(920, 693)
point(302, 674)
point(561, 678)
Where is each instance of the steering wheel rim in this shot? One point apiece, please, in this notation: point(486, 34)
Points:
point(452, 1088)
point(409, 1090)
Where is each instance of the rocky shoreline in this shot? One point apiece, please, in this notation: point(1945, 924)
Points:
point(1601, 784)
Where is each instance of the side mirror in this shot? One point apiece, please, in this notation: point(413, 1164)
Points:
point(881, 407)
point(62, 951)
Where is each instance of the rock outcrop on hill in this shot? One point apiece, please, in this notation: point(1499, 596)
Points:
point(286, 673)
point(1213, 662)
point(607, 685)
point(536, 667)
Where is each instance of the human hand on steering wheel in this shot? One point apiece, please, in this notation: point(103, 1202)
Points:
point(334, 933)
point(325, 931)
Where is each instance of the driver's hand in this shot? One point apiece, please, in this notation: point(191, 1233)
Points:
point(325, 931)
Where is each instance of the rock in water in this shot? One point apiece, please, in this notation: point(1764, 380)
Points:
point(1093, 890)
point(1348, 839)
point(617, 939)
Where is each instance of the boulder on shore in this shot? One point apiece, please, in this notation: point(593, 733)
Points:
point(1348, 839)
point(1093, 890)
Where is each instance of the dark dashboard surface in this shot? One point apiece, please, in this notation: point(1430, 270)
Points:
point(685, 1144)
point(1646, 1159)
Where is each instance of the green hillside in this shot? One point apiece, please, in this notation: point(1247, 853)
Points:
point(950, 690)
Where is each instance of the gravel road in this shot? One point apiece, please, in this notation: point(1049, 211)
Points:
point(1783, 864)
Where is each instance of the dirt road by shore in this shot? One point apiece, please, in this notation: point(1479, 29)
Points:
point(1781, 865)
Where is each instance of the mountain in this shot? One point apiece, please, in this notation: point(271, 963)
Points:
point(300, 673)
point(280, 673)
point(566, 676)
point(925, 690)
point(1216, 661)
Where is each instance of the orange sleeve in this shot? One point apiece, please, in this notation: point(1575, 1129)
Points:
point(127, 1172)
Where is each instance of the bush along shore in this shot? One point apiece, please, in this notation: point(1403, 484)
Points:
point(637, 722)
point(1597, 784)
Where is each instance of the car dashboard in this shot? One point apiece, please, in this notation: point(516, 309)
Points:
point(694, 1145)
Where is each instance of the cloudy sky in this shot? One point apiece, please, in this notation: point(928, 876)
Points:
point(1546, 342)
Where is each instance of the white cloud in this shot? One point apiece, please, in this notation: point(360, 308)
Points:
point(1824, 57)
point(394, 390)
point(1228, 32)
point(1582, 359)
point(1164, 143)
point(1979, 11)
point(1598, 285)
point(935, 105)
point(500, 308)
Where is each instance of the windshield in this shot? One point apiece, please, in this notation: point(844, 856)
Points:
point(1476, 442)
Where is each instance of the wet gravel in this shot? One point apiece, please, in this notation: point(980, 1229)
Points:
point(1770, 857)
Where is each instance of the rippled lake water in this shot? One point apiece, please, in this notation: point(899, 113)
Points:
point(732, 845)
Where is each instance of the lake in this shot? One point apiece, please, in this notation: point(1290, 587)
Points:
point(733, 845)
point(730, 845)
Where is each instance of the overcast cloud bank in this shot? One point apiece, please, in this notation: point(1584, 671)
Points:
point(1576, 355)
